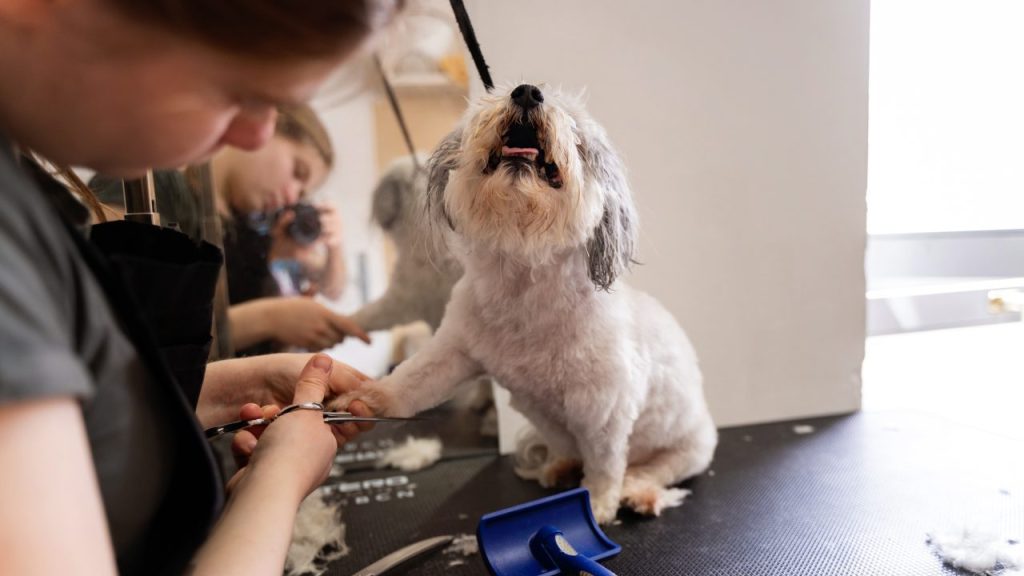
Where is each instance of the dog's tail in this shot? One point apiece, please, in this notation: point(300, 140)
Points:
point(531, 454)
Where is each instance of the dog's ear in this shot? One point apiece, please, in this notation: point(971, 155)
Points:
point(441, 163)
point(613, 243)
point(387, 201)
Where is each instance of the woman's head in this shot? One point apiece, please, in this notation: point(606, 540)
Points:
point(122, 85)
point(293, 162)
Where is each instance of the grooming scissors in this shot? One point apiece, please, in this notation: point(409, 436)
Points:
point(329, 418)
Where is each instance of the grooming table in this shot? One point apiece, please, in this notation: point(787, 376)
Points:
point(855, 497)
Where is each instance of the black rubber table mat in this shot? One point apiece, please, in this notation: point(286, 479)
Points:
point(855, 497)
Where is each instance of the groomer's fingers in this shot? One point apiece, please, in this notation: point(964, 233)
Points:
point(358, 408)
point(344, 379)
point(314, 380)
point(348, 326)
point(250, 411)
point(322, 341)
point(242, 447)
point(349, 430)
point(244, 442)
point(286, 218)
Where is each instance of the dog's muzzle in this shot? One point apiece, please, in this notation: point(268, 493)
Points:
point(522, 144)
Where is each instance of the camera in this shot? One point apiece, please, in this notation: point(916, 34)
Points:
point(305, 228)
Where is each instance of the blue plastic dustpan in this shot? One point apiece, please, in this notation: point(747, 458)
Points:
point(535, 538)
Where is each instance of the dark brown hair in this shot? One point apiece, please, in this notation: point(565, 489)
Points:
point(276, 29)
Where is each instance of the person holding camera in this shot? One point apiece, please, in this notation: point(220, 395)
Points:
point(261, 197)
point(306, 255)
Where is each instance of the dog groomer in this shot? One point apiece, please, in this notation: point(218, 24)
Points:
point(105, 469)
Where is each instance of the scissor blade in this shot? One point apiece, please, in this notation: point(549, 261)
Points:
point(403, 555)
point(338, 418)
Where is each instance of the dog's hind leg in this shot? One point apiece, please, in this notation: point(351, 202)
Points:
point(546, 453)
point(645, 488)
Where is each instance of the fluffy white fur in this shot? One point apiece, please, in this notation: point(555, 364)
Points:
point(978, 551)
point(602, 371)
point(318, 537)
point(412, 455)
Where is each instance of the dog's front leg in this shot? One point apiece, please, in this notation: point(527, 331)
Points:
point(604, 446)
point(391, 309)
point(423, 381)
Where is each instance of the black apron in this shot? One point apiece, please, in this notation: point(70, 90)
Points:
point(154, 277)
point(150, 276)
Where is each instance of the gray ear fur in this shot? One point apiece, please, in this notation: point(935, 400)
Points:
point(441, 163)
point(387, 201)
point(613, 243)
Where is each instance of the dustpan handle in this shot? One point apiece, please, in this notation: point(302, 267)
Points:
point(552, 542)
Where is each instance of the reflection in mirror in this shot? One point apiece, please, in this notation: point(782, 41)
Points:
point(399, 281)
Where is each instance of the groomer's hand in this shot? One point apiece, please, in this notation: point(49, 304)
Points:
point(247, 383)
point(330, 226)
point(298, 448)
point(283, 246)
point(300, 321)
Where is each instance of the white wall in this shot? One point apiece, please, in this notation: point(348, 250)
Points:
point(744, 125)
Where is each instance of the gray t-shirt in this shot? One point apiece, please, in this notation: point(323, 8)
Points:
point(59, 337)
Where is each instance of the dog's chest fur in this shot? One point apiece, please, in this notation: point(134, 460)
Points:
point(539, 330)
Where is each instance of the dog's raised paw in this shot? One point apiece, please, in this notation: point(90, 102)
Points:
point(378, 399)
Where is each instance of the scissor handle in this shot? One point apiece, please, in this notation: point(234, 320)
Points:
point(236, 426)
point(241, 424)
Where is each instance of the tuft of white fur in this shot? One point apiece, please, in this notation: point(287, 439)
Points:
point(415, 454)
point(463, 545)
point(977, 551)
point(318, 537)
point(531, 454)
point(602, 371)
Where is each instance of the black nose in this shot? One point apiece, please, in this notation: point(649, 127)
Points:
point(527, 96)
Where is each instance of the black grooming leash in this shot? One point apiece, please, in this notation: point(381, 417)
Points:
point(466, 27)
point(398, 113)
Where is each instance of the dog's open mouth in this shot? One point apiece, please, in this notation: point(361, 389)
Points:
point(521, 148)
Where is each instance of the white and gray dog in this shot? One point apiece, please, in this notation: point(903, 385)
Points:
point(422, 281)
point(544, 224)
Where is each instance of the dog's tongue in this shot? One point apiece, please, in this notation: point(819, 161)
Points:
point(530, 153)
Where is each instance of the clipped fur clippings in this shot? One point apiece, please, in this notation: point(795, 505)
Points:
point(317, 539)
point(978, 551)
point(415, 454)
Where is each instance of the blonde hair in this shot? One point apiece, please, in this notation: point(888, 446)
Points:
point(300, 124)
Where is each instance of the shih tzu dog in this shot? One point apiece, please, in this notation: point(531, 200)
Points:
point(423, 276)
point(543, 223)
